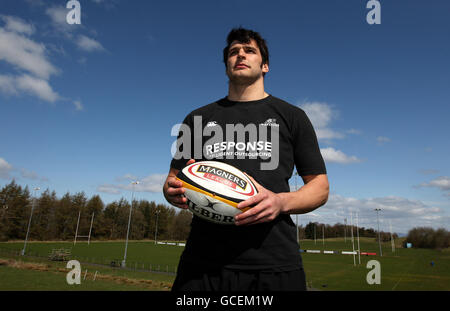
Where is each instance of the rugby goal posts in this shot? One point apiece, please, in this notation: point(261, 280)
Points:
point(83, 236)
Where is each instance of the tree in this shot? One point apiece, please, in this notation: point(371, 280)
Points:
point(425, 237)
point(43, 227)
point(181, 225)
point(95, 207)
point(15, 209)
point(309, 230)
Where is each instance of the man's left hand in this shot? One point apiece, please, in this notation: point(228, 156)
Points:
point(266, 207)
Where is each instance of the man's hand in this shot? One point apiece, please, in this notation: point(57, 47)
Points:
point(173, 190)
point(267, 206)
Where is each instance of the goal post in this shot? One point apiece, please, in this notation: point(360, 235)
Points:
point(83, 236)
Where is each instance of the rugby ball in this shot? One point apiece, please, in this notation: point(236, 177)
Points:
point(214, 189)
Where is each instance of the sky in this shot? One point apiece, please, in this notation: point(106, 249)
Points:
point(92, 106)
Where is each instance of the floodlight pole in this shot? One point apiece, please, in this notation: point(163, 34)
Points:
point(345, 229)
point(156, 224)
point(392, 237)
point(379, 238)
point(129, 221)
point(323, 234)
point(29, 222)
point(353, 241)
point(357, 234)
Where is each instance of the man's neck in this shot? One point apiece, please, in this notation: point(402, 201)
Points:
point(244, 93)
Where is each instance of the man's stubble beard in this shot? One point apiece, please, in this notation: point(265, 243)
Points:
point(243, 80)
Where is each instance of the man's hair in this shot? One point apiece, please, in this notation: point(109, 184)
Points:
point(243, 35)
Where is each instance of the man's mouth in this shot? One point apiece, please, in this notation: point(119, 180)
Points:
point(241, 66)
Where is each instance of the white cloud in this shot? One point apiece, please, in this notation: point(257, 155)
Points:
point(31, 85)
point(28, 58)
point(127, 177)
point(18, 25)
point(88, 44)
point(5, 169)
point(442, 183)
point(328, 134)
point(152, 183)
point(107, 188)
point(337, 156)
point(38, 87)
point(353, 132)
point(25, 54)
point(78, 105)
point(428, 171)
point(32, 175)
point(7, 85)
point(58, 16)
point(321, 115)
point(381, 140)
point(403, 213)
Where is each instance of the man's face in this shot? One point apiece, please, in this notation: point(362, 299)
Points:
point(244, 63)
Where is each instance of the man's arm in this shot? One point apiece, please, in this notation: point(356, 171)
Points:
point(267, 205)
point(309, 197)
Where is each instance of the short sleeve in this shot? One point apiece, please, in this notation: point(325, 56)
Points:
point(307, 156)
point(184, 144)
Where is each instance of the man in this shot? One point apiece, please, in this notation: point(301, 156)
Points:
point(259, 252)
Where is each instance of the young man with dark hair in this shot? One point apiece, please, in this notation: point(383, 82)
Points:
point(259, 252)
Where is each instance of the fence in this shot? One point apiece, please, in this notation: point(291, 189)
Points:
point(138, 266)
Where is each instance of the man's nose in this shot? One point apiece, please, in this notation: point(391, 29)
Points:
point(241, 53)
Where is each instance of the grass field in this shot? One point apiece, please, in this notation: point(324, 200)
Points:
point(404, 269)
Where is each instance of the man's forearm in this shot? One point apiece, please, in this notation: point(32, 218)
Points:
point(309, 197)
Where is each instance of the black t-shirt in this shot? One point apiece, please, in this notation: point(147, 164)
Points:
point(264, 138)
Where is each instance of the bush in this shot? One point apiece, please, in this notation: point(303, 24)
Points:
point(425, 237)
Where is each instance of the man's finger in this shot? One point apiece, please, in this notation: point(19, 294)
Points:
point(251, 218)
point(251, 201)
point(175, 191)
point(252, 212)
point(174, 183)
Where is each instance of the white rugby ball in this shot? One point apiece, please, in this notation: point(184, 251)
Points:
point(214, 189)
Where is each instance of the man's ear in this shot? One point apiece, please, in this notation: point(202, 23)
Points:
point(265, 67)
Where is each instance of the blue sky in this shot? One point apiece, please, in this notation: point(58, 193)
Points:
point(91, 107)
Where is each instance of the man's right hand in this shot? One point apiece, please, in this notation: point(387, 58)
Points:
point(173, 189)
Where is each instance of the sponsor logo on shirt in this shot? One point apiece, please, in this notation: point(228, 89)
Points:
point(270, 122)
point(232, 141)
point(211, 123)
